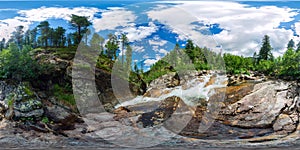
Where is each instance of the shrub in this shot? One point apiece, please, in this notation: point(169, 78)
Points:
point(18, 64)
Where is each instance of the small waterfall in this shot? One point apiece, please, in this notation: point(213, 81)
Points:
point(200, 87)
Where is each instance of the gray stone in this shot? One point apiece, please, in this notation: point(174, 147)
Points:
point(258, 109)
point(34, 113)
point(59, 114)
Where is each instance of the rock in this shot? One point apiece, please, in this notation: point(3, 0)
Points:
point(168, 80)
point(37, 113)
point(247, 136)
point(284, 122)
point(159, 115)
point(211, 81)
point(258, 109)
point(21, 102)
point(60, 115)
point(155, 92)
point(27, 106)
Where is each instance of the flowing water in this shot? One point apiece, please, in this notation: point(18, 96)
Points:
point(191, 92)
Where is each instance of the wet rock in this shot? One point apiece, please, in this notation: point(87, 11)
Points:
point(159, 115)
point(168, 80)
point(211, 81)
point(155, 92)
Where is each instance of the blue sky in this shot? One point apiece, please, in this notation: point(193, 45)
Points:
point(154, 27)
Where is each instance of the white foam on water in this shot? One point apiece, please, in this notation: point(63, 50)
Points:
point(191, 96)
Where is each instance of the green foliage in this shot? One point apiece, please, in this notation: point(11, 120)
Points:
point(45, 120)
point(265, 66)
point(67, 53)
point(11, 100)
point(265, 51)
point(64, 94)
point(238, 64)
point(28, 91)
point(80, 23)
point(291, 44)
point(18, 64)
point(112, 46)
point(289, 65)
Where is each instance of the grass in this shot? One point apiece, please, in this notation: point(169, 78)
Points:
point(64, 94)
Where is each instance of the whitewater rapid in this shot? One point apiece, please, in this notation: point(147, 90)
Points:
point(191, 92)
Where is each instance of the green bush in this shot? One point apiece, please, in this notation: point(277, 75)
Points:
point(45, 120)
point(18, 64)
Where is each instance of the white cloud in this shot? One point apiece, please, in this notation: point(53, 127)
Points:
point(138, 49)
point(113, 18)
point(163, 51)
point(44, 13)
point(27, 17)
point(297, 28)
point(244, 26)
point(124, 20)
point(141, 32)
point(8, 9)
point(149, 62)
point(146, 56)
point(8, 26)
point(158, 42)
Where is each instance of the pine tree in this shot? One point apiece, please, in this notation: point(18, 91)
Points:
point(124, 41)
point(298, 47)
point(2, 44)
point(112, 46)
point(44, 29)
point(265, 51)
point(189, 49)
point(80, 23)
point(291, 44)
point(33, 36)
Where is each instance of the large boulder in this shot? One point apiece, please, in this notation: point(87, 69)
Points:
point(259, 109)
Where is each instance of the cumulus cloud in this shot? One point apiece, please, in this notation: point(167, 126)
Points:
point(44, 13)
point(140, 32)
point(123, 20)
point(113, 18)
point(8, 26)
point(27, 17)
point(243, 26)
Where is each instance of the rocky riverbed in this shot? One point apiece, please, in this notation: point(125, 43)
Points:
point(197, 110)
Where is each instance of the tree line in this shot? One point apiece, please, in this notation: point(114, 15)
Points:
point(286, 66)
point(44, 36)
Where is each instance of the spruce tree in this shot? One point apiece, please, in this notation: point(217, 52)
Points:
point(291, 44)
point(265, 51)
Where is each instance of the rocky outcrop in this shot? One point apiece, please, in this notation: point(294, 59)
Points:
point(242, 78)
point(268, 106)
point(20, 102)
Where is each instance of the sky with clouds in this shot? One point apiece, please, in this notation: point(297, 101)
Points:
point(153, 28)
